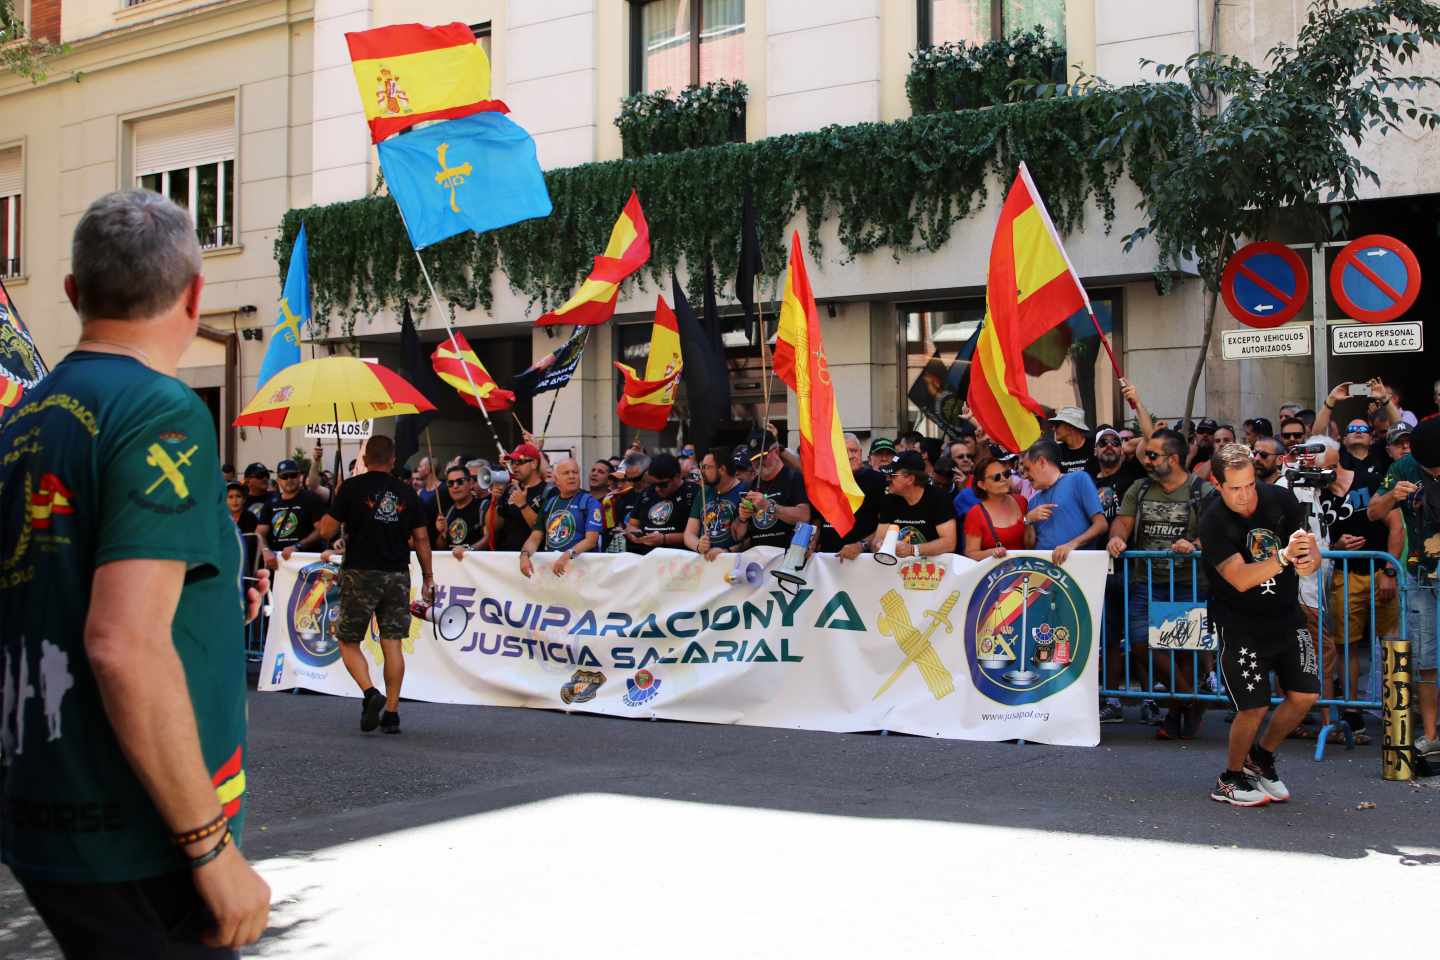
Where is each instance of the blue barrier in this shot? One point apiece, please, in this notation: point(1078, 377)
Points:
point(1179, 581)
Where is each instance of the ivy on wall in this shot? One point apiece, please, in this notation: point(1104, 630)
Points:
point(961, 76)
point(899, 186)
point(704, 116)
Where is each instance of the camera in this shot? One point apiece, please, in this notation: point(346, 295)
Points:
point(1359, 389)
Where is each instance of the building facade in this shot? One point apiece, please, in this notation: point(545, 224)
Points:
point(244, 109)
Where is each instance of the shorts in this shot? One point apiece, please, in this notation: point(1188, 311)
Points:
point(1420, 623)
point(1245, 666)
point(160, 917)
point(373, 593)
point(1352, 604)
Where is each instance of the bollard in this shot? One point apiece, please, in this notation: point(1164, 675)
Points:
point(1397, 757)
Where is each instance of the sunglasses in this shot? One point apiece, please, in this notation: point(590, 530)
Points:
point(521, 461)
point(1292, 436)
point(1358, 430)
point(1002, 475)
point(457, 483)
point(1151, 455)
point(1108, 442)
point(1258, 455)
point(288, 476)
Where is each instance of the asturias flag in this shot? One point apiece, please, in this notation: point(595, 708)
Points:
point(1031, 289)
point(408, 73)
point(800, 362)
point(476, 173)
point(294, 312)
point(645, 404)
point(454, 361)
point(627, 251)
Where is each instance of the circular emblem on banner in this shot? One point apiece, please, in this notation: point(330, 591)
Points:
point(1375, 278)
point(313, 613)
point(560, 530)
point(1265, 284)
point(1027, 631)
point(660, 512)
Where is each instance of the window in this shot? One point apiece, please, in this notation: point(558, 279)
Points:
point(481, 32)
point(684, 43)
point(12, 185)
point(979, 21)
point(189, 156)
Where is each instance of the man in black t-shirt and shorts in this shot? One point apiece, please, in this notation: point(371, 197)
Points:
point(382, 515)
point(1254, 542)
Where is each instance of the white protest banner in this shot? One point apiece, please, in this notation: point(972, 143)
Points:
point(943, 648)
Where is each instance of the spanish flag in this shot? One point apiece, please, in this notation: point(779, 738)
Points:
point(627, 251)
point(408, 73)
point(1032, 288)
point(645, 404)
point(229, 783)
point(10, 393)
point(51, 499)
point(800, 362)
point(452, 362)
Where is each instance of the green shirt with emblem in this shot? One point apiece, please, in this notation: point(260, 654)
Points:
point(1422, 517)
point(107, 460)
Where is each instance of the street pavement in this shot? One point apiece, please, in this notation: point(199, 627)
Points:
point(489, 832)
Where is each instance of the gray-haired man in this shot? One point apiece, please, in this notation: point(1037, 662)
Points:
point(121, 615)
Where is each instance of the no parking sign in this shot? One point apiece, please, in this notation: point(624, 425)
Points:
point(1375, 278)
point(1265, 284)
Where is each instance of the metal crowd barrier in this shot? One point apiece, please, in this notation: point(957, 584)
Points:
point(1197, 670)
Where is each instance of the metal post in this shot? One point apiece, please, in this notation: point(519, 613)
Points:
point(1397, 756)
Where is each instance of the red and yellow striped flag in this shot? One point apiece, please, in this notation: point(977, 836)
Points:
point(10, 394)
point(627, 251)
point(229, 783)
point(645, 404)
point(800, 362)
point(1032, 288)
point(451, 365)
point(409, 73)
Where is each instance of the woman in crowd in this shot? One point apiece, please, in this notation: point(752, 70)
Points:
point(997, 523)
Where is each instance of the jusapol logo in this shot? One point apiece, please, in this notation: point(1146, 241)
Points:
point(1027, 631)
point(641, 689)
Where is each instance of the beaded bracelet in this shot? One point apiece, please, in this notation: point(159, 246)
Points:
point(200, 833)
point(197, 862)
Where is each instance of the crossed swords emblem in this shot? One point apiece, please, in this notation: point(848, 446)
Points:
point(895, 622)
point(170, 469)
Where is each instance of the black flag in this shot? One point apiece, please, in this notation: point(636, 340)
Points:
point(749, 261)
point(417, 370)
point(705, 375)
point(552, 371)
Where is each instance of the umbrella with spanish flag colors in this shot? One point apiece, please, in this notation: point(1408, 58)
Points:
point(331, 389)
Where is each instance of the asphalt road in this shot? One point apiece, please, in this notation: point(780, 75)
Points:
point(508, 833)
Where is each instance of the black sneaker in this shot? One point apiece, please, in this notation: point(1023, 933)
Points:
point(1260, 767)
point(370, 709)
point(1238, 790)
point(1111, 713)
point(390, 722)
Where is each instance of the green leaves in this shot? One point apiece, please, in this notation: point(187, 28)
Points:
point(704, 116)
point(963, 76)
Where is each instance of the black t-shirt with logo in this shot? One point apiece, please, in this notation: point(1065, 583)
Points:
point(785, 489)
point(1266, 610)
point(1370, 472)
point(255, 503)
point(517, 529)
point(465, 526)
point(616, 510)
point(921, 522)
point(1342, 513)
point(379, 512)
point(1073, 461)
point(1112, 488)
point(291, 521)
point(660, 514)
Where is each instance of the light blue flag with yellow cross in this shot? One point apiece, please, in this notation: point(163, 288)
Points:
point(474, 173)
point(293, 314)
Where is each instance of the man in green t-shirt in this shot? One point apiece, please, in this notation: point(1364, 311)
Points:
point(1413, 486)
point(122, 671)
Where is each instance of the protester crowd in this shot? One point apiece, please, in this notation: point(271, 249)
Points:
point(1135, 486)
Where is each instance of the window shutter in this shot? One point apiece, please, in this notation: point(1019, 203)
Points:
point(186, 138)
point(12, 177)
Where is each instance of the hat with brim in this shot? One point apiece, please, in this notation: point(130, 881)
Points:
point(1071, 416)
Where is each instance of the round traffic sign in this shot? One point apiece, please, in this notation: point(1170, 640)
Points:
point(1265, 284)
point(1375, 278)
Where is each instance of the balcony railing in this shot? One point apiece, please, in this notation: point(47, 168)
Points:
point(214, 237)
point(10, 267)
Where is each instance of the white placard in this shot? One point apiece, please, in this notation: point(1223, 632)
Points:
point(358, 430)
point(1347, 339)
point(1249, 344)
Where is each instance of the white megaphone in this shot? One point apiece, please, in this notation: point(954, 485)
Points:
point(743, 572)
point(794, 560)
point(886, 553)
point(448, 623)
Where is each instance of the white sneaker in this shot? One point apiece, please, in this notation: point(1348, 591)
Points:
point(1266, 778)
point(1238, 790)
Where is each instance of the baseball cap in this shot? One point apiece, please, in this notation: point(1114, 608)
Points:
point(1104, 429)
point(1206, 425)
point(525, 451)
point(759, 442)
point(1262, 426)
point(882, 445)
point(664, 466)
point(1425, 442)
point(287, 466)
point(1073, 416)
point(236, 486)
point(1397, 433)
point(911, 461)
point(257, 470)
point(741, 458)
